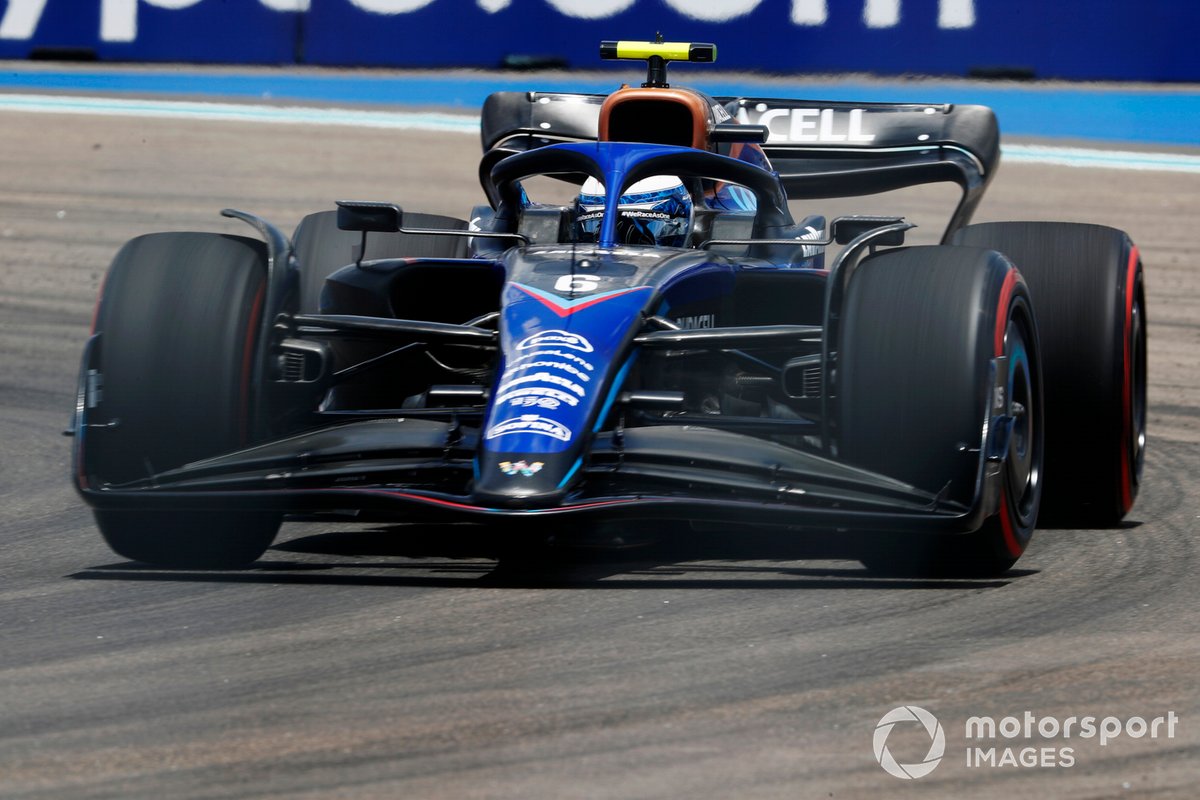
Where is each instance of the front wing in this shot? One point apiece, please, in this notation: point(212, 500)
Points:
point(412, 469)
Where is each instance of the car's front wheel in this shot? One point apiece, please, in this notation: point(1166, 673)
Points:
point(178, 321)
point(921, 330)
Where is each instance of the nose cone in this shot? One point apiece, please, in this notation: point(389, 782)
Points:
point(568, 318)
point(524, 480)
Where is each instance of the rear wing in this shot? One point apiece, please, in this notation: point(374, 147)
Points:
point(820, 149)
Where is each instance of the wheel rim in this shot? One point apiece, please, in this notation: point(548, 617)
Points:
point(1024, 462)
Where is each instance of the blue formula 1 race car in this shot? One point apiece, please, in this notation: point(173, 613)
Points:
point(667, 344)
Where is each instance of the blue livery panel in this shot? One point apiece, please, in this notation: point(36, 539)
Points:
point(556, 363)
point(1073, 39)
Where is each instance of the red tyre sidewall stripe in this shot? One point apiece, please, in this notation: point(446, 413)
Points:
point(1127, 384)
point(1006, 292)
point(99, 299)
point(248, 350)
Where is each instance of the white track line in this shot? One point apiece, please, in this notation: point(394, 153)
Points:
point(468, 124)
point(1105, 159)
point(238, 112)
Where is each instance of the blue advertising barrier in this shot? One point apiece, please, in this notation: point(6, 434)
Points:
point(1131, 40)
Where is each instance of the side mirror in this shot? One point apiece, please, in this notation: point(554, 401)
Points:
point(361, 215)
point(847, 229)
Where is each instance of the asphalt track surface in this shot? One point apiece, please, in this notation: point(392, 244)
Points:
point(388, 662)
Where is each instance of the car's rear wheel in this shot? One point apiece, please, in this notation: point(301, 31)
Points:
point(1087, 283)
point(921, 328)
point(322, 248)
point(179, 321)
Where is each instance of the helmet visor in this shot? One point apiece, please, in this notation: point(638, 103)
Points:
point(660, 216)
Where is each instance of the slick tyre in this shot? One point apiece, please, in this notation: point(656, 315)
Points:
point(180, 539)
point(322, 248)
point(178, 320)
point(921, 328)
point(1087, 283)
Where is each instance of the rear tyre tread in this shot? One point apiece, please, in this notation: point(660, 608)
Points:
point(1086, 281)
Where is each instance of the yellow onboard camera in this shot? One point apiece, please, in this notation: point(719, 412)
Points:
point(657, 54)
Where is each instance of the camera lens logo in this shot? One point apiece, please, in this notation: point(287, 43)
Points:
point(937, 745)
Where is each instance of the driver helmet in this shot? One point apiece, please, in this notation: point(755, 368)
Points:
point(655, 211)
